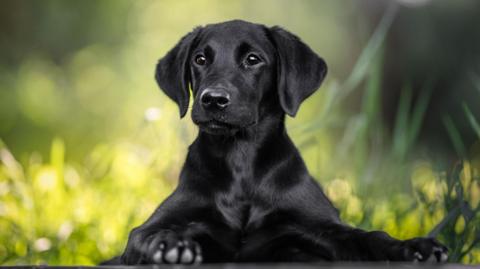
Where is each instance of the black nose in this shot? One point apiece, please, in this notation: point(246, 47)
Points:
point(215, 99)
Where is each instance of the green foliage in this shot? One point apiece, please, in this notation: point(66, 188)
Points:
point(460, 228)
point(64, 213)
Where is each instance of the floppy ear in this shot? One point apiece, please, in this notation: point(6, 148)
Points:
point(172, 72)
point(299, 70)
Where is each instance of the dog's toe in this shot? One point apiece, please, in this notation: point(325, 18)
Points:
point(158, 256)
point(171, 256)
point(187, 256)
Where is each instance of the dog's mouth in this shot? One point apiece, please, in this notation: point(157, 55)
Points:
point(218, 127)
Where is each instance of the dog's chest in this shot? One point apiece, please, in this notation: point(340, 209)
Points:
point(241, 208)
point(242, 204)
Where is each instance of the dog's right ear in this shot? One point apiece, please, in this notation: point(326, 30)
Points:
point(172, 72)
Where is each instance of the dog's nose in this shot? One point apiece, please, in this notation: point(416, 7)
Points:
point(215, 99)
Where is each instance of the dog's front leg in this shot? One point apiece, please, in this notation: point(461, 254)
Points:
point(355, 244)
point(167, 236)
point(160, 246)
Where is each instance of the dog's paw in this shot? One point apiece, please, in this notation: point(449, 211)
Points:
point(166, 247)
point(424, 250)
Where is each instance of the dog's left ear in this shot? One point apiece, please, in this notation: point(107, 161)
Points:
point(173, 72)
point(299, 70)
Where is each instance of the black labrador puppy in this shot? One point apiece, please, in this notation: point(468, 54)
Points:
point(244, 193)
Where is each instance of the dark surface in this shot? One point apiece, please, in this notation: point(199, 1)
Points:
point(279, 265)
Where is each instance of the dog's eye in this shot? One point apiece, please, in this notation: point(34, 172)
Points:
point(200, 60)
point(252, 59)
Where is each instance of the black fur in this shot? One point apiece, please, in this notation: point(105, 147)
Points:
point(244, 193)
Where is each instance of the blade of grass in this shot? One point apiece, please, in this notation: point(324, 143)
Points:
point(471, 118)
point(400, 138)
point(454, 136)
point(371, 99)
point(452, 215)
point(419, 112)
point(350, 135)
point(331, 94)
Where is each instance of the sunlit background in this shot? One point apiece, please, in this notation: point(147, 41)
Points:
point(89, 145)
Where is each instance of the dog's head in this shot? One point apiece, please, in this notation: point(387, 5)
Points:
point(238, 72)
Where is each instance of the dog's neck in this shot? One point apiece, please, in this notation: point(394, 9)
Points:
point(246, 156)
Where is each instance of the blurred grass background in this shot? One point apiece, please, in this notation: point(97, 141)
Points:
point(89, 146)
